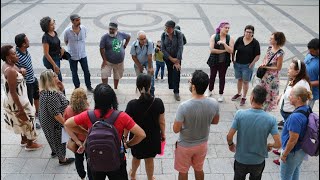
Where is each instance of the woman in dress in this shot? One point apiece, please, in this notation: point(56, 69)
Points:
point(51, 46)
point(270, 80)
point(298, 76)
point(19, 114)
point(148, 113)
point(52, 105)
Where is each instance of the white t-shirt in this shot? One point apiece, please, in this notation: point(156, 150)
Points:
point(287, 107)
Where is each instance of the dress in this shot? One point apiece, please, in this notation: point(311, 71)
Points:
point(270, 80)
point(52, 103)
point(149, 122)
point(25, 128)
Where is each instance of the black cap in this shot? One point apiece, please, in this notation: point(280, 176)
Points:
point(177, 27)
point(170, 23)
point(113, 25)
point(74, 16)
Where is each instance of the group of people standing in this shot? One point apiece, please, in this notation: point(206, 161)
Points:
point(142, 125)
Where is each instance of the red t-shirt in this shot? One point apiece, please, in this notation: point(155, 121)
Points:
point(68, 113)
point(124, 121)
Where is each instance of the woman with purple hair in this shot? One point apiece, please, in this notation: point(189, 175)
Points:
point(221, 48)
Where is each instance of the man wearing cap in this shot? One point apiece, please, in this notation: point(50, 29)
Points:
point(141, 53)
point(172, 48)
point(74, 37)
point(112, 50)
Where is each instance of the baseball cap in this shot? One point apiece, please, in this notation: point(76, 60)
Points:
point(170, 23)
point(113, 25)
point(74, 16)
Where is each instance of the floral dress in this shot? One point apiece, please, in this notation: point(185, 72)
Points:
point(25, 128)
point(270, 80)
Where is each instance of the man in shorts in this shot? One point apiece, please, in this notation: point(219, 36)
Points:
point(195, 116)
point(22, 45)
point(112, 50)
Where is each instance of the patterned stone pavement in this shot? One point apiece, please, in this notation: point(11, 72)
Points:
point(198, 19)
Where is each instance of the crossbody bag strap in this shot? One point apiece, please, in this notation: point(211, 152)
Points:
point(272, 57)
point(149, 107)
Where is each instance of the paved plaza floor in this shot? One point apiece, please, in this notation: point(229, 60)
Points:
point(197, 19)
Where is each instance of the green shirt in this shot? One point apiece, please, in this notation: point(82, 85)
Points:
point(159, 56)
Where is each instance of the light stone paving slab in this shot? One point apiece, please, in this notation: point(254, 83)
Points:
point(297, 19)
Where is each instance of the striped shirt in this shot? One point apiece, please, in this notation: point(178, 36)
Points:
point(25, 62)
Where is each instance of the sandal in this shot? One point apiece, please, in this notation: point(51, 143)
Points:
point(68, 161)
point(130, 173)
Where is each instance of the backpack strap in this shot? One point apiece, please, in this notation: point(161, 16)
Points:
point(306, 113)
point(217, 38)
point(111, 119)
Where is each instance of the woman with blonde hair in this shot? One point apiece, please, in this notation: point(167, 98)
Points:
point(78, 104)
point(297, 75)
point(293, 131)
point(52, 105)
point(19, 114)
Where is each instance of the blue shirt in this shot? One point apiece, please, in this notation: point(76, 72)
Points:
point(253, 128)
point(312, 65)
point(296, 122)
point(141, 52)
point(76, 42)
point(25, 62)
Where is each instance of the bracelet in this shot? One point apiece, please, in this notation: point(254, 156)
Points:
point(230, 144)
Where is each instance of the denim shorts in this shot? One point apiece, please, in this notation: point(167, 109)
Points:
point(242, 71)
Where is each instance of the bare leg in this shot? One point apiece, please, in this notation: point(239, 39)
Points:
point(135, 166)
point(199, 175)
point(105, 81)
point(36, 104)
point(239, 86)
point(149, 165)
point(183, 176)
point(115, 83)
point(245, 88)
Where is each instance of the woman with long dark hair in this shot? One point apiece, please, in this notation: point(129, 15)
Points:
point(147, 112)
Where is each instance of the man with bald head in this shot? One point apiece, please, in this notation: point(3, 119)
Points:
point(141, 53)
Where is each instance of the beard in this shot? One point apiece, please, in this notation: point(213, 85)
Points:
point(113, 35)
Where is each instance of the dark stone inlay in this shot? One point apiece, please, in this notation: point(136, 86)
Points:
point(205, 19)
point(156, 19)
point(66, 21)
point(19, 13)
point(288, 44)
point(303, 26)
point(7, 3)
point(97, 20)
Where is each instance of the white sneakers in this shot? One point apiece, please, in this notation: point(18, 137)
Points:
point(220, 98)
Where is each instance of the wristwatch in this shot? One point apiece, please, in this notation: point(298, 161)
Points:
point(230, 144)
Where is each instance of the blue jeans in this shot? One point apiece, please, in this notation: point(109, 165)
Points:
point(173, 77)
point(291, 169)
point(145, 65)
point(158, 66)
point(48, 65)
point(74, 70)
point(285, 115)
point(242, 71)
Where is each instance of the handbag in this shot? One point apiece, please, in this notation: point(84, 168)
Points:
point(262, 71)
point(72, 145)
point(212, 60)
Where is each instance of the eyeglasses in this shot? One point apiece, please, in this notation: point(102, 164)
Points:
point(142, 39)
point(249, 32)
point(190, 81)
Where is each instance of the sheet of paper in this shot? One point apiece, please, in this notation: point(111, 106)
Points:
point(64, 136)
